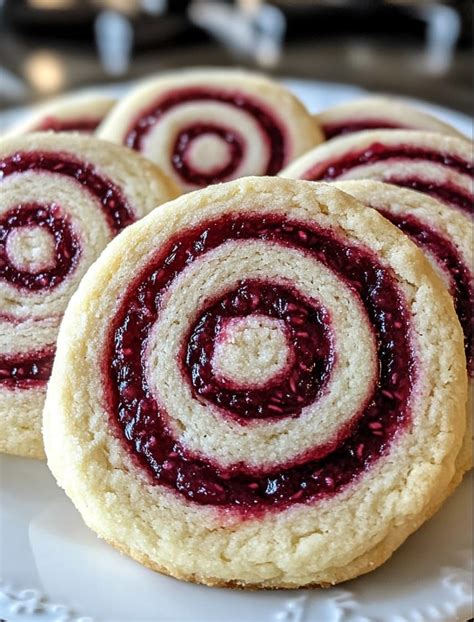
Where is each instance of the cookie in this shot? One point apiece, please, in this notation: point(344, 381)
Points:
point(81, 113)
point(266, 389)
point(446, 236)
point(208, 126)
point(376, 113)
point(62, 198)
point(438, 165)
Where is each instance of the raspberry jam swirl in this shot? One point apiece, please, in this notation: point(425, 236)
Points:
point(447, 192)
point(86, 125)
point(141, 422)
point(461, 282)
point(115, 207)
point(230, 138)
point(311, 344)
point(67, 248)
point(25, 370)
point(347, 126)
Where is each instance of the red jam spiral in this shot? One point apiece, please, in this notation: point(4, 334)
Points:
point(67, 248)
point(140, 420)
point(450, 260)
point(27, 370)
point(116, 209)
point(53, 124)
point(377, 152)
point(271, 132)
point(309, 336)
point(341, 128)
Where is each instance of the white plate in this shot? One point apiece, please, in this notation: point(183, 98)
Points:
point(53, 569)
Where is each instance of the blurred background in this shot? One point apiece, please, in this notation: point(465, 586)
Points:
point(418, 49)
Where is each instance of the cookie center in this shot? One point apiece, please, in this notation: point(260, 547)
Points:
point(251, 350)
point(208, 153)
point(31, 248)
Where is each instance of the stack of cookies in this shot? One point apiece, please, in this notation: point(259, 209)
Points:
point(243, 348)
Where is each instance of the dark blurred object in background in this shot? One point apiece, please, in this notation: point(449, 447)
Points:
point(153, 21)
point(48, 46)
point(392, 18)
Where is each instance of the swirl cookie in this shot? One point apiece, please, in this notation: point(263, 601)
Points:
point(80, 113)
point(208, 126)
point(438, 165)
point(266, 389)
point(62, 198)
point(377, 113)
point(446, 237)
